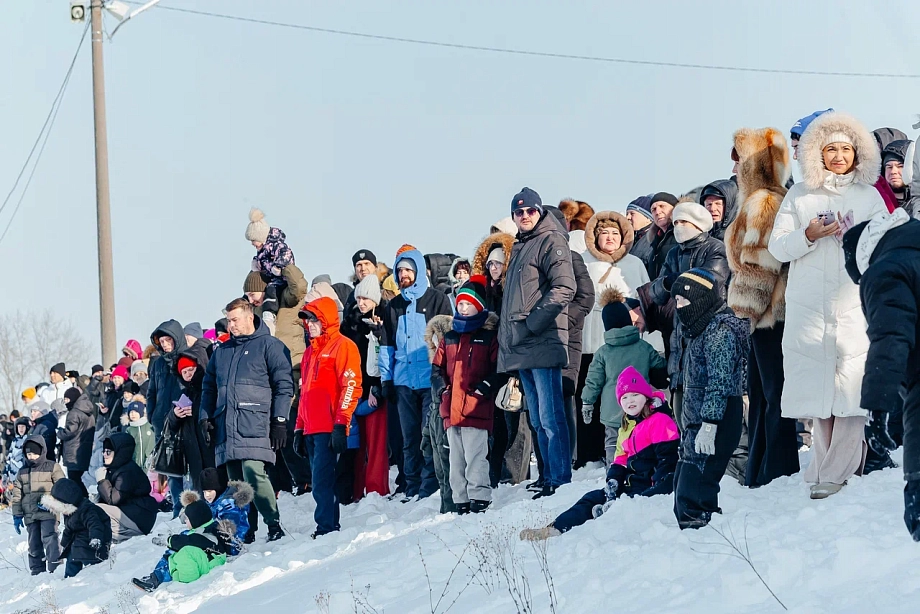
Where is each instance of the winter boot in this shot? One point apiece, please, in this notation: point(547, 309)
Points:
point(478, 507)
point(548, 491)
point(250, 536)
point(302, 490)
point(825, 490)
point(536, 535)
point(275, 532)
point(912, 508)
point(147, 583)
point(463, 508)
point(536, 485)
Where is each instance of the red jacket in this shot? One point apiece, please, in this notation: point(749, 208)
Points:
point(465, 361)
point(330, 374)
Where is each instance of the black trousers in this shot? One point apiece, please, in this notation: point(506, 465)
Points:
point(589, 437)
point(696, 480)
point(912, 432)
point(498, 445)
point(774, 449)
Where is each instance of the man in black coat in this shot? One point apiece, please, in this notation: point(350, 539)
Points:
point(77, 436)
point(246, 397)
point(720, 198)
point(883, 257)
point(660, 237)
point(164, 386)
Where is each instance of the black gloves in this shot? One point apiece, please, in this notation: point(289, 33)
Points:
point(206, 429)
point(668, 281)
point(339, 439)
point(300, 444)
point(277, 433)
point(483, 389)
point(877, 436)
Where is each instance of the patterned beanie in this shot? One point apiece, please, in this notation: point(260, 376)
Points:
point(473, 291)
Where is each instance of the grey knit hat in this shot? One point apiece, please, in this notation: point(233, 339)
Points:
point(369, 288)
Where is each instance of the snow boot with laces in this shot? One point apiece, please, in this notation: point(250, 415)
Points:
point(148, 584)
point(275, 532)
point(478, 507)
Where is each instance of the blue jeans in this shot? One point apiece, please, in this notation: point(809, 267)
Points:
point(322, 461)
point(418, 464)
point(543, 389)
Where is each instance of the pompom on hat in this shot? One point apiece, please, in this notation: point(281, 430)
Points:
point(258, 228)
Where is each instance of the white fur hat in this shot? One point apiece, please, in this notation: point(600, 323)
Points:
point(369, 288)
point(694, 213)
point(258, 228)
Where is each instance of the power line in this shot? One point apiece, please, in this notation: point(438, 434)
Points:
point(540, 54)
point(42, 137)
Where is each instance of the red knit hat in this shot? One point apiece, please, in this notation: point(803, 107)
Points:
point(631, 380)
point(185, 362)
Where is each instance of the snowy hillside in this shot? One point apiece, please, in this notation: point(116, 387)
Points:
point(849, 553)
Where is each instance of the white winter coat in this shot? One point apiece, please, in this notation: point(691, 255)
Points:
point(825, 342)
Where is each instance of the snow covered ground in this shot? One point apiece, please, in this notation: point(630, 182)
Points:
point(849, 553)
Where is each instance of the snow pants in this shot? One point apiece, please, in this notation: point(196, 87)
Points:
point(697, 477)
point(580, 513)
point(435, 444)
point(773, 447)
point(44, 547)
point(469, 467)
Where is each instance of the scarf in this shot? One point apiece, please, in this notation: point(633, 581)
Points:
point(470, 324)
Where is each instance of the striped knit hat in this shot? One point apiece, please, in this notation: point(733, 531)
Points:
point(473, 291)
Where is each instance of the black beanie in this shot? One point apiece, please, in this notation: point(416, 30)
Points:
point(31, 447)
point(60, 369)
point(614, 309)
point(664, 196)
point(67, 491)
point(198, 513)
point(364, 254)
point(70, 397)
point(699, 287)
point(211, 480)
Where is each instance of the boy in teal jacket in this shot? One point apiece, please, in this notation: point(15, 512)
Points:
point(622, 348)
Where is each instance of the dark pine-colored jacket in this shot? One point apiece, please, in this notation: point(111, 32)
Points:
point(465, 360)
point(197, 454)
point(539, 285)
point(164, 384)
point(126, 486)
point(890, 293)
point(581, 305)
point(247, 383)
point(78, 435)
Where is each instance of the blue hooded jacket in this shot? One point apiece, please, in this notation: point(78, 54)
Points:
point(403, 351)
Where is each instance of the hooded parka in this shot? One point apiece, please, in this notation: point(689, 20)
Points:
point(165, 386)
point(126, 486)
point(78, 435)
point(727, 190)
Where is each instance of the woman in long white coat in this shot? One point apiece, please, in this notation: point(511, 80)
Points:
point(825, 342)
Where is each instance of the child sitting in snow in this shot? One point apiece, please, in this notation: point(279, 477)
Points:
point(227, 502)
point(272, 255)
point(645, 460)
point(87, 529)
point(194, 552)
point(135, 424)
point(15, 458)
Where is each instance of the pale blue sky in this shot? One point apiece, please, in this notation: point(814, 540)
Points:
point(349, 143)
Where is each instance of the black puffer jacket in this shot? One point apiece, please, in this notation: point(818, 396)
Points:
point(247, 383)
point(83, 522)
point(539, 285)
point(164, 386)
point(642, 247)
point(727, 190)
point(581, 305)
point(126, 485)
point(198, 456)
point(78, 435)
point(660, 244)
point(439, 265)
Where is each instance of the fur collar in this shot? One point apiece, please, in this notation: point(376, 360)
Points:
point(57, 507)
point(811, 159)
point(437, 327)
point(626, 232)
point(241, 492)
point(497, 239)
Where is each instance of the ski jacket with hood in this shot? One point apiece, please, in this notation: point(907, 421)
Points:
point(539, 285)
point(727, 190)
point(165, 386)
point(84, 521)
point(126, 486)
point(78, 435)
point(33, 481)
point(620, 270)
point(247, 383)
point(825, 342)
point(330, 374)
point(403, 353)
point(757, 289)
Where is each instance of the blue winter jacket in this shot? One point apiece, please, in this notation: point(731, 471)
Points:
point(403, 351)
point(233, 505)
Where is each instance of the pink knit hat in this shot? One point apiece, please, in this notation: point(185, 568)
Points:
point(631, 380)
point(121, 372)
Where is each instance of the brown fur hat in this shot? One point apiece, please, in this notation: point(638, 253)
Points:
point(610, 294)
point(626, 231)
point(576, 212)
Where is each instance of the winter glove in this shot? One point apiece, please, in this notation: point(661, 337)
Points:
point(277, 433)
point(877, 436)
point(95, 543)
point(339, 441)
point(610, 490)
point(483, 389)
point(17, 524)
point(161, 541)
point(587, 413)
point(300, 444)
point(100, 474)
point(206, 429)
point(706, 439)
point(668, 281)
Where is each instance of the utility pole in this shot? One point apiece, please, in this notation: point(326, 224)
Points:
point(103, 210)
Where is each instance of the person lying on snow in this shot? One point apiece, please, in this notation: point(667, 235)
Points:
point(227, 502)
point(87, 529)
point(645, 460)
point(194, 552)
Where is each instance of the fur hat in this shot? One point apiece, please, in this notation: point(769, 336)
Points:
point(614, 310)
point(576, 212)
point(121, 372)
point(694, 213)
point(59, 368)
point(138, 366)
point(363, 254)
point(630, 380)
point(258, 228)
point(473, 291)
point(369, 288)
point(198, 513)
point(254, 283)
point(193, 329)
point(28, 394)
point(132, 349)
point(526, 198)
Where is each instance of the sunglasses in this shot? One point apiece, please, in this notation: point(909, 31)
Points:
point(525, 212)
point(108, 452)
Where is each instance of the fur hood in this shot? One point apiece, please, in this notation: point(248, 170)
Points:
point(441, 325)
point(57, 507)
point(577, 213)
point(763, 161)
point(811, 160)
point(242, 495)
point(497, 239)
point(626, 231)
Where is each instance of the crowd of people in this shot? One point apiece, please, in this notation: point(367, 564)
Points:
point(718, 331)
